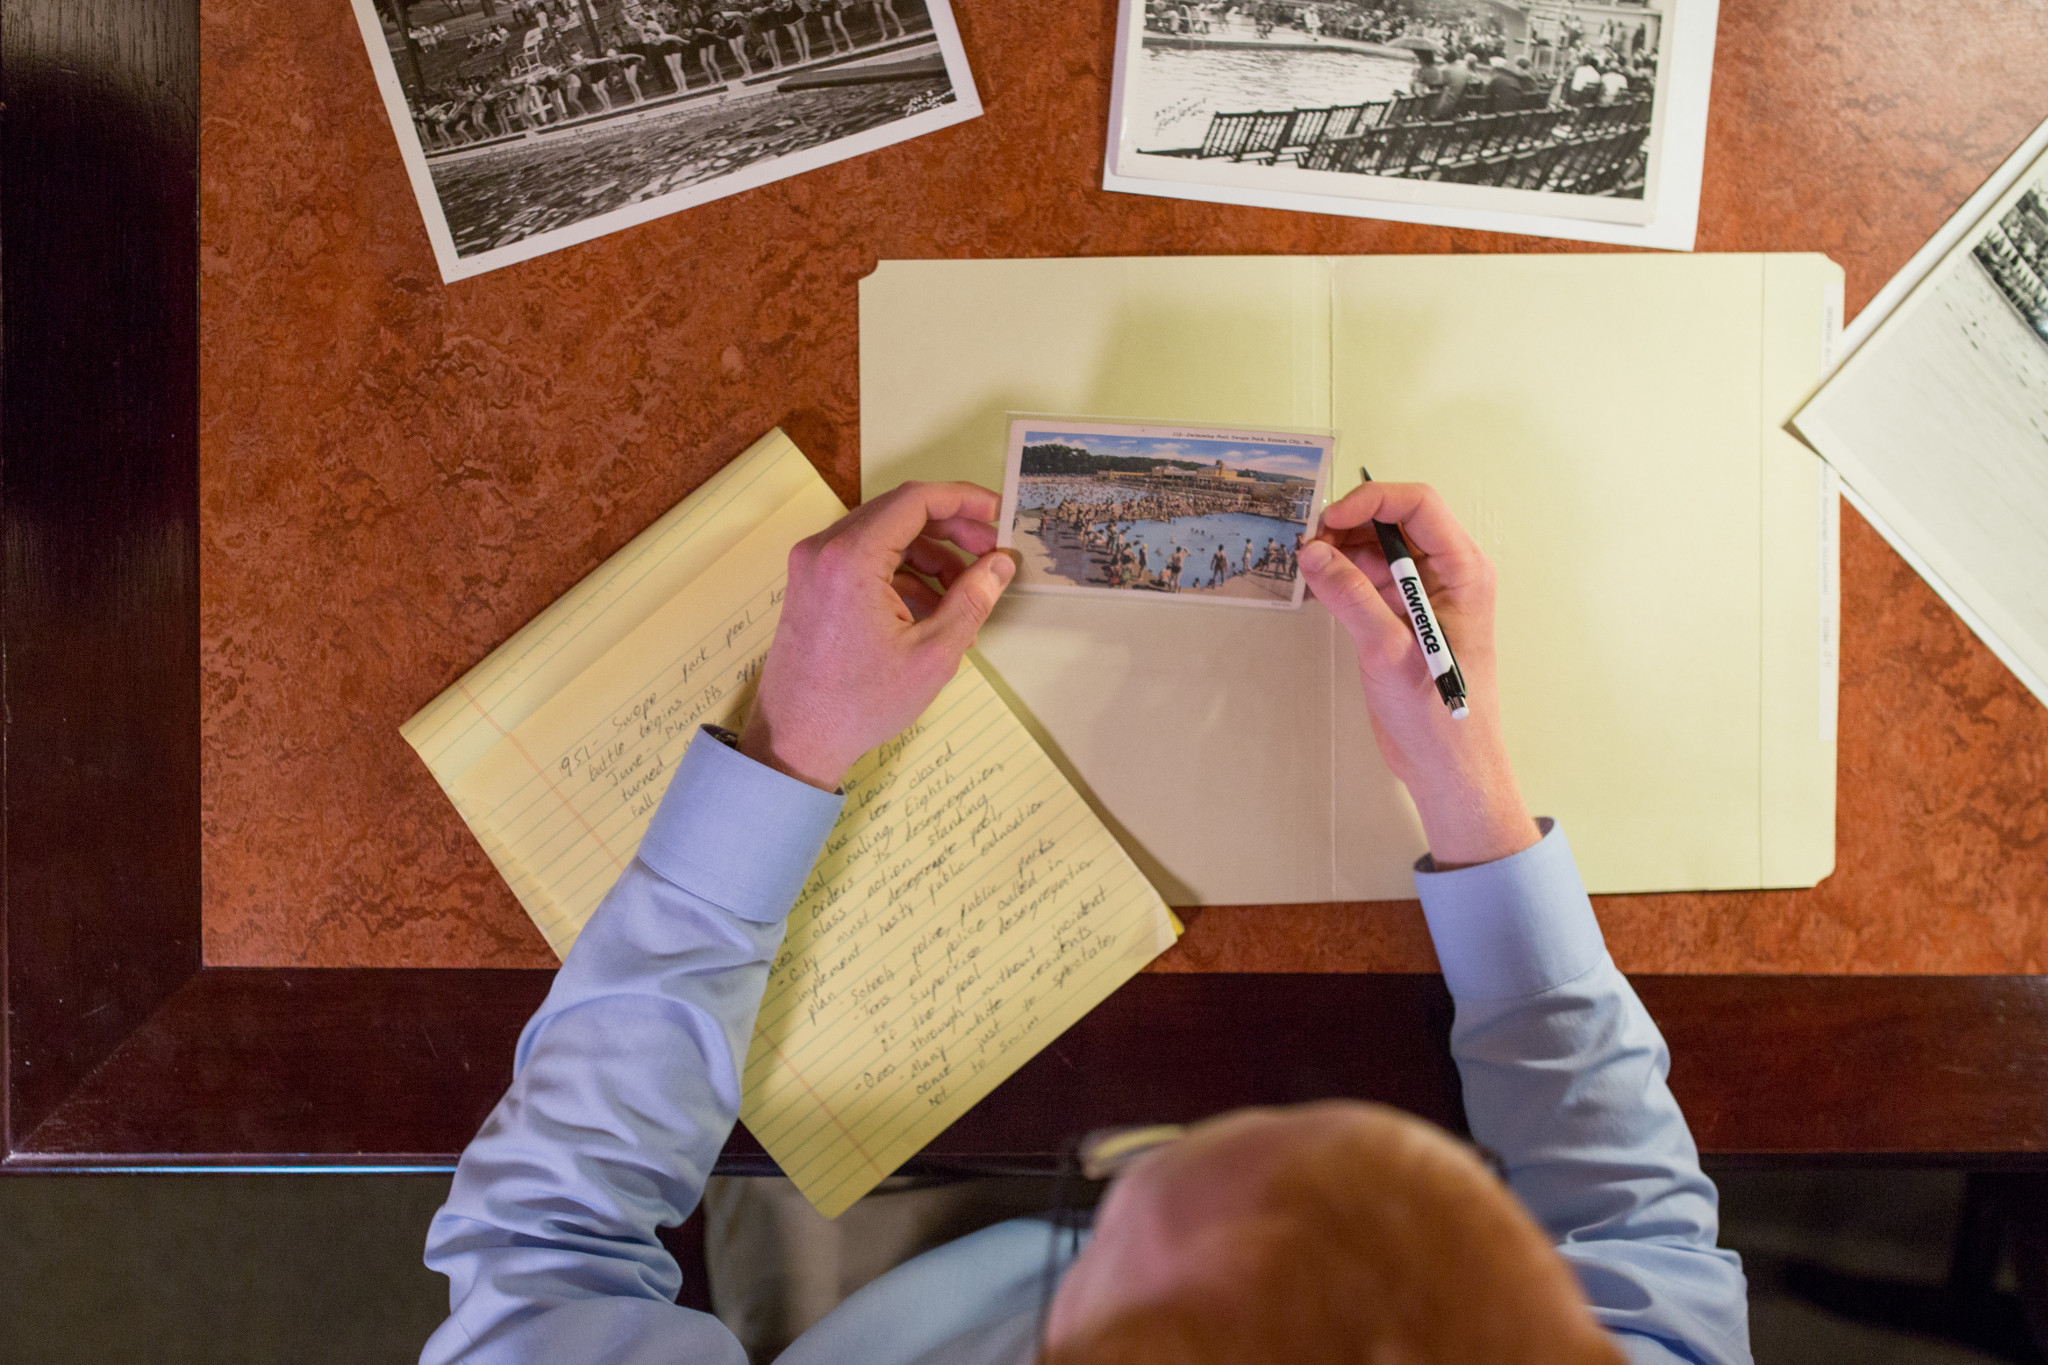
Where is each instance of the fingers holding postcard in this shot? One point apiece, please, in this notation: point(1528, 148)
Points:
point(1213, 514)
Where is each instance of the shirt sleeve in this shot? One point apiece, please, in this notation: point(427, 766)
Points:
point(1565, 1080)
point(625, 1086)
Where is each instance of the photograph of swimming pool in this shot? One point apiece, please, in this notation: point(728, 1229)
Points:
point(1181, 513)
point(1476, 113)
point(531, 125)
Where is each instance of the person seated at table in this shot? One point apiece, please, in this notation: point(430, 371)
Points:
point(1337, 1231)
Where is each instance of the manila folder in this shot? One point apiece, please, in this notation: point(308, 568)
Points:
point(1610, 428)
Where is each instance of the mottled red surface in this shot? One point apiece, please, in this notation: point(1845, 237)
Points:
point(396, 475)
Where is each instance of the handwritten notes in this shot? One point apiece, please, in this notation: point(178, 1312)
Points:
point(568, 792)
point(545, 656)
point(968, 906)
point(967, 909)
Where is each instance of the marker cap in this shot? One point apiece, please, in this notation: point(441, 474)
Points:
point(1450, 685)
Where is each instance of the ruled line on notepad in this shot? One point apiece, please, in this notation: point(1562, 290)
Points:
point(829, 1113)
point(909, 1138)
point(567, 804)
point(576, 872)
point(695, 705)
point(786, 996)
point(766, 1125)
point(683, 659)
point(773, 1117)
point(830, 862)
point(893, 1115)
point(810, 935)
point(1117, 922)
point(840, 862)
point(592, 610)
point(785, 993)
point(900, 1124)
point(808, 938)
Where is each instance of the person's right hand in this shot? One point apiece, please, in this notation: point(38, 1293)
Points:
point(1456, 770)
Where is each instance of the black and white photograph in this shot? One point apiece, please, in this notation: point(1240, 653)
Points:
point(1183, 513)
point(2013, 254)
point(1938, 424)
point(530, 125)
point(1548, 108)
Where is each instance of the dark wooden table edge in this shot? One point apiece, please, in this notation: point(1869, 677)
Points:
point(122, 1051)
point(246, 1068)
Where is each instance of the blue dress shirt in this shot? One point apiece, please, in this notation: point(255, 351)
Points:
point(626, 1083)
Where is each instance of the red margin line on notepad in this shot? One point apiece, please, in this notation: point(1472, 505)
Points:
point(542, 774)
point(828, 1112)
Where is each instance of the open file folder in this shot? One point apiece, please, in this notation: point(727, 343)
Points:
point(1609, 427)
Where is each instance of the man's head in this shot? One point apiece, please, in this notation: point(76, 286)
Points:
point(1329, 1232)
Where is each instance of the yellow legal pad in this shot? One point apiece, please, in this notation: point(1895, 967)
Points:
point(967, 909)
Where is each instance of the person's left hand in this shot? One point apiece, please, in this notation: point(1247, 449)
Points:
point(864, 643)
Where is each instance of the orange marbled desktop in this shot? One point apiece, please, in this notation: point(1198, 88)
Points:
point(396, 474)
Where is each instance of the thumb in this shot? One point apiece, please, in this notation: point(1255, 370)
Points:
point(968, 602)
point(1350, 597)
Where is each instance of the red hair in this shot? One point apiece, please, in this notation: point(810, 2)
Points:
point(1379, 1242)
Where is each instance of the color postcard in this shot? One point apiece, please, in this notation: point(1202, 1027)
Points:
point(1182, 513)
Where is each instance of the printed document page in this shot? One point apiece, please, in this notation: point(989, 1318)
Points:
point(1936, 421)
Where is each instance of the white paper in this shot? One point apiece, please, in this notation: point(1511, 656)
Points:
point(1672, 209)
point(508, 198)
point(1937, 421)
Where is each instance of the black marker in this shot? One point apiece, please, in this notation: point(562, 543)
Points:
point(1436, 646)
